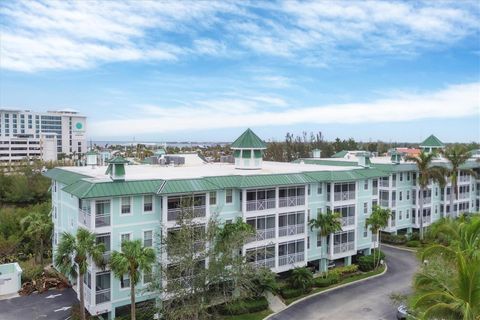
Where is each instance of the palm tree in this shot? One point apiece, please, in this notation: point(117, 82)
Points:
point(38, 226)
point(133, 260)
point(301, 278)
point(426, 173)
point(457, 156)
point(377, 220)
point(327, 224)
point(72, 256)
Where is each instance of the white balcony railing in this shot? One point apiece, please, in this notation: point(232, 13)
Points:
point(263, 234)
point(427, 219)
point(258, 205)
point(343, 247)
point(87, 294)
point(464, 179)
point(291, 230)
point(427, 200)
point(375, 191)
point(348, 221)
point(463, 195)
point(198, 212)
point(291, 258)
point(383, 203)
point(383, 183)
point(291, 201)
point(344, 196)
point(84, 218)
point(394, 203)
point(102, 296)
point(102, 220)
point(267, 263)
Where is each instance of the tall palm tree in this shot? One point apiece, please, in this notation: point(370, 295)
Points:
point(72, 257)
point(38, 226)
point(327, 224)
point(134, 259)
point(377, 220)
point(456, 156)
point(426, 173)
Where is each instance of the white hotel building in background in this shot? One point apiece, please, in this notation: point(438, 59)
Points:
point(25, 134)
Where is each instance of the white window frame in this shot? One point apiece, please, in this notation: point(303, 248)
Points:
point(143, 237)
point(129, 282)
point(143, 278)
point(320, 188)
point(143, 204)
point(365, 208)
point(215, 196)
point(130, 237)
point(365, 185)
point(131, 211)
point(226, 196)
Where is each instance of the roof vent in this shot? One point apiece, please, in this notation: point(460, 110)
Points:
point(364, 159)
point(116, 168)
point(316, 153)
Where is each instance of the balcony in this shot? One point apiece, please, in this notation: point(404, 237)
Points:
point(343, 247)
point(198, 212)
point(427, 200)
point(266, 263)
point(344, 196)
point(291, 201)
point(291, 230)
point(102, 220)
point(263, 234)
point(384, 203)
point(258, 205)
point(348, 221)
point(463, 195)
point(85, 218)
point(102, 296)
point(291, 258)
point(106, 257)
point(393, 222)
point(87, 294)
point(375, 191)
point(427, 219)
point(384, 183)
point(462, 179)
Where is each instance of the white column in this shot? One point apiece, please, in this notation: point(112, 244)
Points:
point(244, 201)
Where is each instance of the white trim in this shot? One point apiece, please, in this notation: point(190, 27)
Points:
point(143, 204)
point(143, 237)
point(131, 206)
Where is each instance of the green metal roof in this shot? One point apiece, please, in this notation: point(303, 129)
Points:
point(186, 186)
point(64, 176)
point(87, 189)
point(274, 180)
point(118, 160)
point(328, 162)
point(357, 174)
point(432, 141)
point(248, 140)
point(340, 154)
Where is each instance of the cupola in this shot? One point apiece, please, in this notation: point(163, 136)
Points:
point(92, 158)
point(395, 156)
point(364, 159)
point(432, 145)
point(248, 151)
point(116, 168)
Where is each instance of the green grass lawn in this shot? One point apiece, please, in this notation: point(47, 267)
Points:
point(343, 281)
point(249, 316)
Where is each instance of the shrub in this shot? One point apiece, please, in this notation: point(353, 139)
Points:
point(30, 271)
point(288, 293)
point(265, 280)
point(413, 243)
point(244, 306)
point(347, 269)
point(393, 238)
point(325, 282)
point(366, 263)
point(301, 278)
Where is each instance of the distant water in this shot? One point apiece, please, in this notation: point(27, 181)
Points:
point(180, 144)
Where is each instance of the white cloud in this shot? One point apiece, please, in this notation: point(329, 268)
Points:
point(455, 101)
point(52, 35)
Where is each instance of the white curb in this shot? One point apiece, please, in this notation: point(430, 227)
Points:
point(331, 289)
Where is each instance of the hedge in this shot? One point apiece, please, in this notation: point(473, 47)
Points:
point(366, 263)
point(413, 243)
point(244, 306)
point(393, 238)
point(288, 293)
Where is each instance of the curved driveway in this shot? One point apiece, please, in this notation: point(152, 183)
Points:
point(365, 300)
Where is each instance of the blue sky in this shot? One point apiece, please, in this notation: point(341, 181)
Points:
point(394, 71)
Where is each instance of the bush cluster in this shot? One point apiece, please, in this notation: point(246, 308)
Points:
point(413, 243)
point(322, 282)
point(243, 306)
point(347, 269)
point(288, 293)
point(30, 271)
point(394, 238)
point(366, 263)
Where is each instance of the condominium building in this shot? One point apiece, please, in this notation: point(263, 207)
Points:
point(123, 201)
point(26, 134)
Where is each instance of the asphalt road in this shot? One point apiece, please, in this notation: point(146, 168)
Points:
point(367, 300)
point(51, 305)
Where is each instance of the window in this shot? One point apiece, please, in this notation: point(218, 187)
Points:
point(400, 215)
point(436, 192)
point(408, 214)
point(401, 176)
point(148, 203)
point(125, 281)
point(147, 277)
point(124, 237)
point(365, 185)
point(229, 196)
point(408, 176)
point(148, 238)
point(213, 198)
point(125, 205)
point(365, 207)
point(365, 232)
point(308, 187)
point(319, 211)
point(308, 242)
point(408, 194)
point(400, 196)
point(319, 239)
point(319, 188)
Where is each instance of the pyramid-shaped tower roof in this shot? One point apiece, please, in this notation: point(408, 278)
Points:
point(248, 140)
point(433, 142)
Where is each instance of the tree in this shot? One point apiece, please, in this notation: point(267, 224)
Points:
point(134, 260)
point(326, 224)
point(38, 227)
point(427, 173)
point(456, 156)
point(72, 257)
point(377, 220)
point(184, 275)
point(448, 286)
